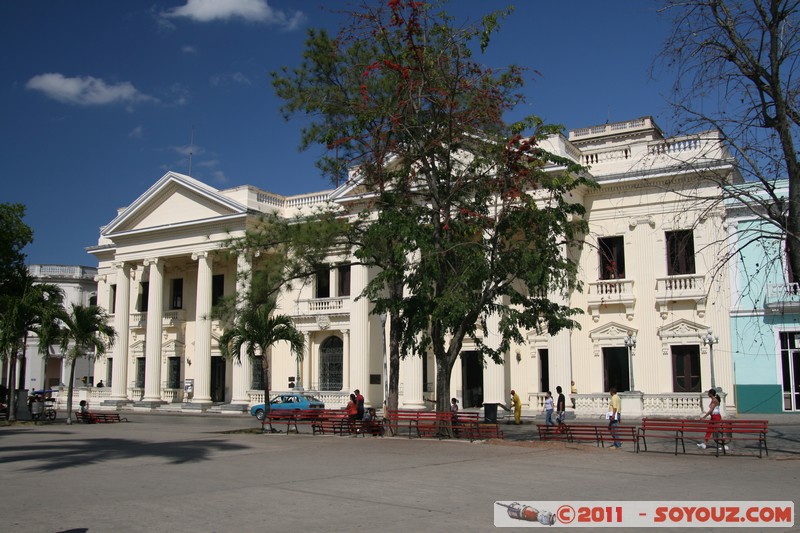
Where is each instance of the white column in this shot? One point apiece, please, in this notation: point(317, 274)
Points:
point(306, 366)
point(202, 330)
point(155, 315)
point(560, 362)
point(346, 360)
point(304, 379)
point(360, 333)
point(411, 376)
point(494, 384)
point(242, 369)
point(122, 314)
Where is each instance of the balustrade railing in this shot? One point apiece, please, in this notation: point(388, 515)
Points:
point(611, 287)
point(172, 395)
point(321, 305)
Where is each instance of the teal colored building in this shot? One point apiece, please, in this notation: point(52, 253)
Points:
point(765, 314)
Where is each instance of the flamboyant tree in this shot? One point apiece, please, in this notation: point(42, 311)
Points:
point(471, 218)
point(736, 72)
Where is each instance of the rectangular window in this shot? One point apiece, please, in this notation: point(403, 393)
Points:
point(612, 257)
point(344, 280)
point(144, 295)
point(790, 369)
point(217, 288)
point(112, 302)
point(686, 368)
point(174, 373)
point(680, 252)
point(177, 294)
point(109, 371)
point(140, 372)
point(323, 283)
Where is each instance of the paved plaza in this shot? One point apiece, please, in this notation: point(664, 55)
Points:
point(177, 473)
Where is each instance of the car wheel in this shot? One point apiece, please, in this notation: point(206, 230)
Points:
point(260, 414)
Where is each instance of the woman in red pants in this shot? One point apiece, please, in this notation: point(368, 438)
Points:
point(713, 412)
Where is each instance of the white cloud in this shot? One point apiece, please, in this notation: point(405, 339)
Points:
point(86, 90)
point(188, 49)
point(136, 133)
point(249, 10)
point(228, 77)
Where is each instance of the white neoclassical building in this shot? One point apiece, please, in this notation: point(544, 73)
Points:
point(651, 290)
point(48, 371)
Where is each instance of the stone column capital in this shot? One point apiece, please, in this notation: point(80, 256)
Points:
point(154, 261)
point(199, 255)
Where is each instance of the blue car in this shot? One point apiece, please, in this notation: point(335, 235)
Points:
point(290, 401)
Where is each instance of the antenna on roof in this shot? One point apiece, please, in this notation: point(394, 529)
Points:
point(191, 151)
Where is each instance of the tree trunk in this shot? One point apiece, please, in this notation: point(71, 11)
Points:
point(23, 362)
point(12, 389)
point(70, 385)
point(265, 372)
point(395, 335)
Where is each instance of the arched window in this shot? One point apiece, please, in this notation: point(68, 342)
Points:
point(330, 364)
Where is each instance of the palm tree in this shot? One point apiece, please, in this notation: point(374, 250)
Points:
point(85, 330)
point(255, 329)
point(26, 307)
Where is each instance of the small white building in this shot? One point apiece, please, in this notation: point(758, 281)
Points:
point(49, 371)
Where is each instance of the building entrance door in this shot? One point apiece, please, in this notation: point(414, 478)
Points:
point(217, 379)
point(472, 378)
point(615, 367)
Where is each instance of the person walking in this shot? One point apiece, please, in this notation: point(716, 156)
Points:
point(715, 416)
point(561, 406)
point(517, 403)
point(548, 409)
point(614, 416)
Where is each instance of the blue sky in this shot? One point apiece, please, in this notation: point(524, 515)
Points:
point(99, 98)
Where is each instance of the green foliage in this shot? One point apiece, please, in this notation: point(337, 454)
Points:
point(14, 237)
point(468, 216)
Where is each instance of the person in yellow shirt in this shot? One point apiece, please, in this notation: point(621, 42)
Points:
point(615, 406)
point(517, 403)
point(572, 393)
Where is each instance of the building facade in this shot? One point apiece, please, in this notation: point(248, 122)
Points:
point(648, 267)
point(765, 312)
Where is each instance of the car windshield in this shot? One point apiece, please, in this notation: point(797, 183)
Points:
point(311, 399)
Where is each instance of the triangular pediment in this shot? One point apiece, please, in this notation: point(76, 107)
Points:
point(612, 330)
point(174, 200)
point(682, 328)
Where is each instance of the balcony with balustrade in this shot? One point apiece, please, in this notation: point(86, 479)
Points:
point(682, 288)
point(322, 306)
point(611, 292)
point(783, 298)
point(171, 319)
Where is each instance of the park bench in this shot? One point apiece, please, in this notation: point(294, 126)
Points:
point(478, 430)
point(278, 417)
point(99, 418)
point(428, 423)
point(599, 434)
point(723, 432)
point(329, 422)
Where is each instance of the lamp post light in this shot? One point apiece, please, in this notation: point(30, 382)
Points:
point(710, 340)
point(385, 366)
point(630, 344)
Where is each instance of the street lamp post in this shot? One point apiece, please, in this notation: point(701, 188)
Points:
point(630, 344)
point(710, 340)
point(385, 367)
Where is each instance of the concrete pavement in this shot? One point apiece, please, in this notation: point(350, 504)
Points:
point(196, 473)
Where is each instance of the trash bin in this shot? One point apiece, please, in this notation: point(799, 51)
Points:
point(490, 412)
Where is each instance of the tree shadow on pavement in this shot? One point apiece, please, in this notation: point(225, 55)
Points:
point(54, 455)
